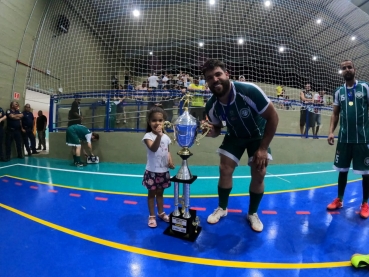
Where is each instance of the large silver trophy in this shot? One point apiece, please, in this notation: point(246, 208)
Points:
point(183, 222)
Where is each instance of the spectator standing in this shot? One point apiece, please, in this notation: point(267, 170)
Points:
point(27, 124)
point(306, 98)
point(242, 79)
point(41, 123)
point(318, 103)
point(13, 132)
point(75, 115)
point(2, 119)
point(153, 81)
point(198, 102)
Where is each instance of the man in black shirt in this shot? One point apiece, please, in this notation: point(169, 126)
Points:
point(13, 132)
point(75, 115)
point(27, 123)
point(41, 124)
point(2, 118)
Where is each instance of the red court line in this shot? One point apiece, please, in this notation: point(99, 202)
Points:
point(52, 190)
point(268, 212)
point(198, 209)
point(33, 187)
point(74, 195)
point(302, 212)
point(18, 184)
point(5, 180)
point(166, 206)
point(101, 198)
point(334, 212)
point(234, 211)
point(129, 202)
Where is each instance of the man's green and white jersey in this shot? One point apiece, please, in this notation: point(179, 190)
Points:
point(243, 114)
point(354, 123)
point(82, 132)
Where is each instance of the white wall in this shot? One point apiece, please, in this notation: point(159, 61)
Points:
point(38, 101)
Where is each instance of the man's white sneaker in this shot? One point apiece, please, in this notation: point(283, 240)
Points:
point(255, 222)
point(216, 215)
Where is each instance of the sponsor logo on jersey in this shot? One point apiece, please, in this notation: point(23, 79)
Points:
point(343, 98)
point(245, 112)
point(366, 161)
point(359, 95)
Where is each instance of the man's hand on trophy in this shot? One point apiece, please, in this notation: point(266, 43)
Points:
point(206, 127)
point(209, 129)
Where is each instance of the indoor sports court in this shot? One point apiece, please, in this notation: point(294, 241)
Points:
point(92, 221)
point(59, 219)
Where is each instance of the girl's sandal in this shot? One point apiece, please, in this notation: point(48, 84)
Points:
point(152, 221)
point(164, 217)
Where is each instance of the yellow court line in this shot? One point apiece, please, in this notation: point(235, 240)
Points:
point(174, 257)
point(171, 196)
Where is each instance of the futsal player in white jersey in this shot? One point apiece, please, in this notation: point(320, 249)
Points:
point(351, 107)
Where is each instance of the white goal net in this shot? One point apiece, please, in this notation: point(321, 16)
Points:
point(281, 45)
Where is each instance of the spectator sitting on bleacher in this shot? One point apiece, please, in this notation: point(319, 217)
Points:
point(143, 86)
point(180, 82)
point(201, 81)
point(171, 82)
point(242, 78)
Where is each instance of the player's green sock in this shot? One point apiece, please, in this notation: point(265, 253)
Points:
point(74, 158)
point(78, 159)
point(223, 197)
point(255, 199)
point(342, 181)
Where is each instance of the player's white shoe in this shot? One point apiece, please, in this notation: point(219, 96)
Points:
point(216, 215)
point(255, 222)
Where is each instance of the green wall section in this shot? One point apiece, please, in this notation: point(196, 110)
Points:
point(128, 148)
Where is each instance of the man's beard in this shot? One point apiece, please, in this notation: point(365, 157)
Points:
point(349, 77)
point(226, 86)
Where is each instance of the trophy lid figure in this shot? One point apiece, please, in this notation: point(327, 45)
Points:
point(251, 122)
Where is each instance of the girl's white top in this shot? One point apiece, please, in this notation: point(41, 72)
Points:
point(157, 161)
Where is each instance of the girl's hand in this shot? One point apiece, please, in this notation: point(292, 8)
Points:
point(159, 129)
point(171, 165)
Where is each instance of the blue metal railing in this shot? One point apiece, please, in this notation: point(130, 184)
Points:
point(139, 101)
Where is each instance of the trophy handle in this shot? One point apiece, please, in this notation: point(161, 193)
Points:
point(168, 125)
point(203, 126)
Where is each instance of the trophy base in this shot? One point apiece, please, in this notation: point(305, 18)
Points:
point(183, 228)
point(189, 181)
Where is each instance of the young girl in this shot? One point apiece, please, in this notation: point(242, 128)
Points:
point(156, 177)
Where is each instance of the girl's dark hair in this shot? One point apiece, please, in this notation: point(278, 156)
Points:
point(150, 113)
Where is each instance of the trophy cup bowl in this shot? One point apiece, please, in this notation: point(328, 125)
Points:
point(185, 132)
